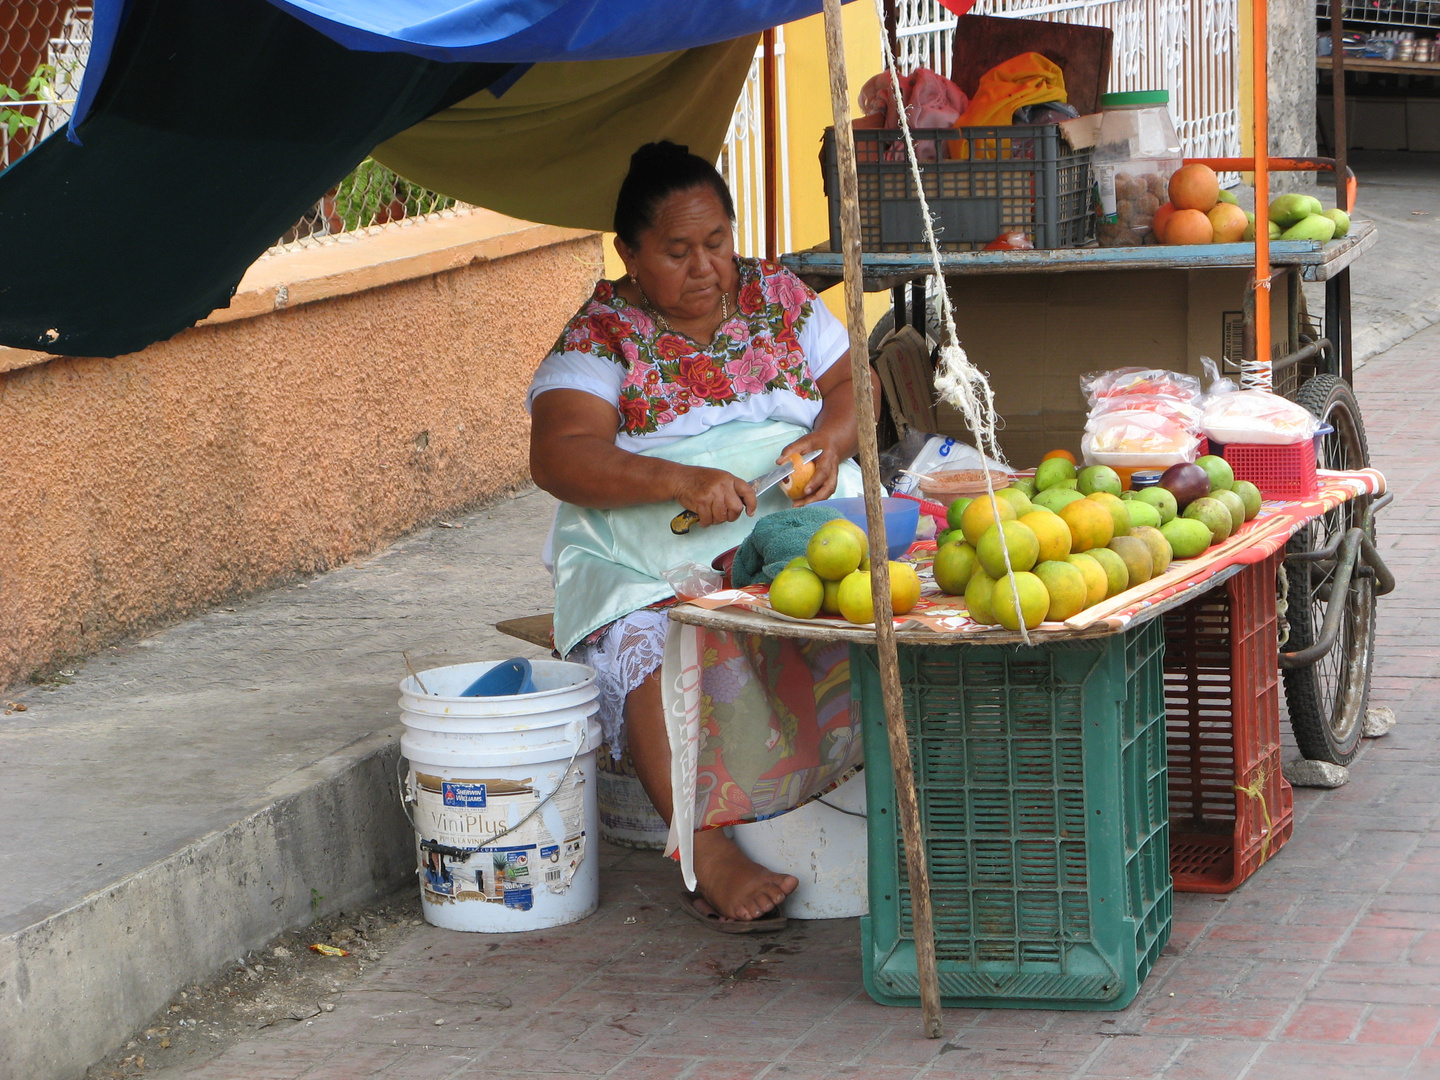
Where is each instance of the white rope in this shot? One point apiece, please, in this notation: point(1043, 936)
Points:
point(957, 381)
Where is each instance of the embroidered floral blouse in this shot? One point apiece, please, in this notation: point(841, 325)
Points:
point(762, 364)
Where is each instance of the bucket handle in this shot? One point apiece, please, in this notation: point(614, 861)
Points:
point(405, 802)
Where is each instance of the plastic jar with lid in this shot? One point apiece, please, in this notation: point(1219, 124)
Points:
point(1136, 152)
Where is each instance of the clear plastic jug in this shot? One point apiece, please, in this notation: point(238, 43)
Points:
point(1134, 157)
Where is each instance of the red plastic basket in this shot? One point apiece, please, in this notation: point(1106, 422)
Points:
point(1280, 472)
point(1230, 808)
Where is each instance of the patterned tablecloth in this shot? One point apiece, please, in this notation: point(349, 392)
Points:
point(761, 723)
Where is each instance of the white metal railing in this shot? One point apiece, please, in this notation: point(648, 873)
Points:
point(1189, 47)
point(742, 159)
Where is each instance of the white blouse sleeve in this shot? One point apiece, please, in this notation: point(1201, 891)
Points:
point(823, 338)
point(577, 371)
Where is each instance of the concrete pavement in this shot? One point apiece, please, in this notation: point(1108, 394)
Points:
point(1326, 964)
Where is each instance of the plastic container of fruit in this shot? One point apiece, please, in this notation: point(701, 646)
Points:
point(1136, 151)
point(949, 484)
point(902, 518)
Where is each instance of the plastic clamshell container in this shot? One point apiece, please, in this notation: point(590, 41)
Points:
point(1231, 809)
point(902, 518)
point(1042, 785)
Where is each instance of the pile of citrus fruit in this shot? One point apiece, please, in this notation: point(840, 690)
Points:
point(1050, 546)
point(833, 577)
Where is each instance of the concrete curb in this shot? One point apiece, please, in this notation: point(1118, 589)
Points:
point(76, 983)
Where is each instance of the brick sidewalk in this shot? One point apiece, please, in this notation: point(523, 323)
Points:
point(1326, 964)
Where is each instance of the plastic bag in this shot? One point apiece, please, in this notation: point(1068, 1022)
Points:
point(1185, 413)
point(1151, 382)
point(1047, 112)
point(940, 454)
point(1257, 416)
point(1137, 436)
point(690, 581)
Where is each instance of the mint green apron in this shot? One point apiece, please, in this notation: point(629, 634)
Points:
point(609, 563)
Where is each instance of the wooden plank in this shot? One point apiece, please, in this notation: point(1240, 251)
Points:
point(534, 629)
point(1429, 68)
point(883, 268)
point(1081, 52)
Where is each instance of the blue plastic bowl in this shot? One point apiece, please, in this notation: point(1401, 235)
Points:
point(902, 518)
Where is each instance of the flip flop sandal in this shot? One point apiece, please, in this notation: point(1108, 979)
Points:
point(711, 920)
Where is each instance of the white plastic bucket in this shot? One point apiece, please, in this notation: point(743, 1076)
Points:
point(478, 766)
point(823, 846)
point(627, 817)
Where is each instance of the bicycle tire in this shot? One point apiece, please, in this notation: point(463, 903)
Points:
point(1326, 700)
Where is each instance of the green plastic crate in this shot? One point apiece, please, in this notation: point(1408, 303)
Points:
point(1042, 786)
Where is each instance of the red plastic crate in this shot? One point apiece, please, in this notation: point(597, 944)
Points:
point(1280, 472)
point(1230, 808)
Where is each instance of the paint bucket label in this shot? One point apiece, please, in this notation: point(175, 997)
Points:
point(464, 857)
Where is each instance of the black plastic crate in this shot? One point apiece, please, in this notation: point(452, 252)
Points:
point(1019, 178)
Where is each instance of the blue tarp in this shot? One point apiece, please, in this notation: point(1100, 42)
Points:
point(498, 31)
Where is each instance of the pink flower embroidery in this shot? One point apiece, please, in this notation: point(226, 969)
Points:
point(791, 295)
point(749, 373)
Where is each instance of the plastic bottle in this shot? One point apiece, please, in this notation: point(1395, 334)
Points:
point(1136, 152)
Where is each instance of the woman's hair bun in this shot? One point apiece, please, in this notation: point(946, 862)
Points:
point(656, 151)
point(657, 170)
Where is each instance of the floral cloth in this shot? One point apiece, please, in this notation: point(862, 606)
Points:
point(763, 362)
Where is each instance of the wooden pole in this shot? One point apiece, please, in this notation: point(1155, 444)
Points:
point(909, 805)
point(770, 131)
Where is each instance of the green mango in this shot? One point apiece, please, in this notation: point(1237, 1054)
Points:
point(1316, 206)
point(1289, 209)
point(1229, 196)
point(1249, 228)
point(1275, 231)
point(1342, 221)
point(1311, 227)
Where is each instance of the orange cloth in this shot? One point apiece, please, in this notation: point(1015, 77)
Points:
point(1027, 79)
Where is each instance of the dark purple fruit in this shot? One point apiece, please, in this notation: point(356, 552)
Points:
point(1187, 482)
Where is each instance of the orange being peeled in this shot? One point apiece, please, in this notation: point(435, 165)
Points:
point(794, 484)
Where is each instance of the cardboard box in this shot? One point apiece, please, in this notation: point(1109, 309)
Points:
point(1378, 124)
point(1036, 334)
point(1422, 123)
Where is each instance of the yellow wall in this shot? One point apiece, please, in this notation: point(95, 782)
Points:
point(808, 114)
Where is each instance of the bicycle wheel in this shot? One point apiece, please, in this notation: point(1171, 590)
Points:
point(1326, 700)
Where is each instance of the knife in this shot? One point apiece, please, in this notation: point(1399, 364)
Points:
point(680, 524)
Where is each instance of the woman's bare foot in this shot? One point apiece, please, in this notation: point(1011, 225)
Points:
point(735, 886)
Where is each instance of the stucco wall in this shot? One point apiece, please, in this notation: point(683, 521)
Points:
point(247, 452)
point(1291, 74)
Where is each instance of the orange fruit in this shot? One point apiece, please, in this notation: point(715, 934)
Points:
point(980, 515)
point(833, 552)
point(1066, 454)
point(1157, 224)
point(1189, 227)
point(1193, 187)
point(1091, 525)
point(904, 587)
point(794, 484)
point(1228, 222)
point(1052, 532)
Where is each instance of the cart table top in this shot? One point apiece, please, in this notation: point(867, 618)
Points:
point(941, 620)
point(821, 268)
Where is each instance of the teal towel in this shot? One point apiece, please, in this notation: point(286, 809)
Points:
point(775, 540)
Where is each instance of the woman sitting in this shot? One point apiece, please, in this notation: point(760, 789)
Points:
point(674, 384)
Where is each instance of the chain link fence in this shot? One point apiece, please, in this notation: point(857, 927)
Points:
point(44, 46)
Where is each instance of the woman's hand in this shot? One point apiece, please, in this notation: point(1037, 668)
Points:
point(834, 432)
point(714, 494)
